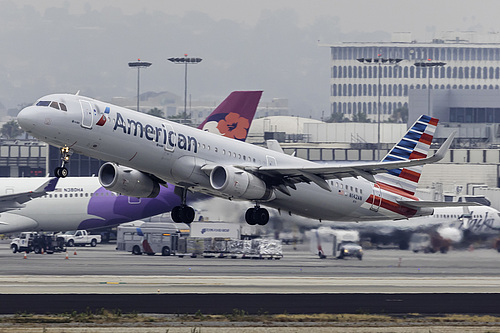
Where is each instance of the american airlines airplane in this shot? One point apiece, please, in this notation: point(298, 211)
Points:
point(82, 203)
point(146, 152)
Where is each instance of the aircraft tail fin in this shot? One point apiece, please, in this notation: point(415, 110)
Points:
point(233, 117)
point(414, 145)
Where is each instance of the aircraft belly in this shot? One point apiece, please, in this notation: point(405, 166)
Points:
point(311, 201)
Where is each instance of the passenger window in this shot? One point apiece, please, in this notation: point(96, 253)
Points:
point(54, 105)
point(63, 107)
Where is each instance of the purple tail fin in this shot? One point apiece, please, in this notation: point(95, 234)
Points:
point(233, 117)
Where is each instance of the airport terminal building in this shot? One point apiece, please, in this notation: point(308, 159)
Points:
point(462, 61)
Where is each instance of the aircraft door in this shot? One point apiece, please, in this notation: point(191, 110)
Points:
point(87, 115)
point(377, 197)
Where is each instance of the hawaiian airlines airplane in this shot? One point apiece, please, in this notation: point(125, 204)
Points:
point(82, 203)
point(147, 152)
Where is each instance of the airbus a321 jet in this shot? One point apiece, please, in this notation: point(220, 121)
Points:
point(82, 203)
point(146, 152)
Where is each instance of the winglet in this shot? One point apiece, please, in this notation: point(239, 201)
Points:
point(439, 155)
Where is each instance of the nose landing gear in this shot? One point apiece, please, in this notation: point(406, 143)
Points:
point(62, 171)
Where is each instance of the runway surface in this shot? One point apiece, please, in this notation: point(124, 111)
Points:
point(105, 270)
point(384, 281)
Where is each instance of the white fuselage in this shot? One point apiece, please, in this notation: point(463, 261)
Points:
point(177, 153)
point(77, 203)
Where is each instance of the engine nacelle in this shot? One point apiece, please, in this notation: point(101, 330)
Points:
point(239, 184)
point(127, 181)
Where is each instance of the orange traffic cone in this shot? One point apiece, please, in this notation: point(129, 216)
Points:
point(25, 255)
point(42, 251)
point(74, 253)
point(66, 255)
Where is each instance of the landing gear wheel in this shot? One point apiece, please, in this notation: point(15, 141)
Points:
point(187, 214)
point(257, 215)
point(60, 172)
point(175, 214)
point(249, 216)
point(261, 216)
point(182, 214)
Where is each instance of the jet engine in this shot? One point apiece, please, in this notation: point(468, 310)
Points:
point(127, 181)
point(239, 184)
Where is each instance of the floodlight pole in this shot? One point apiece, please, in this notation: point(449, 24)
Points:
point(138, 64)
point(379, 61)
point(429, 64)
point(185, 61)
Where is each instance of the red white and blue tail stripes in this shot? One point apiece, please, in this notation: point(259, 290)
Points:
point(414, 145)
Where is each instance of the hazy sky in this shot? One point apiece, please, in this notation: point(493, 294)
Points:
point(65, 46)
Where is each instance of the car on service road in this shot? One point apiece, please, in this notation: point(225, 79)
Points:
point(350, 249)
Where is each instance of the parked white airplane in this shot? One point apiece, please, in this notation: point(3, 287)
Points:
point(146, 152)
point(82, 203)
point(460, 223)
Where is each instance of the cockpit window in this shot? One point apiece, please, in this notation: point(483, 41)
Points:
point(63, 107)
point(54, 105)
point(43, 103)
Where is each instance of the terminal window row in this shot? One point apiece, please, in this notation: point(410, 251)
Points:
point(449, 72)
point(368, 108)
point(395, 89)
point(475, 115)
point(459, 53)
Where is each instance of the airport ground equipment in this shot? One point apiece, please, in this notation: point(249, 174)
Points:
point(38, 243)
point(80, 238)
point(216, 230)
point(149, 237)
point(208, 247)
point(327, 242)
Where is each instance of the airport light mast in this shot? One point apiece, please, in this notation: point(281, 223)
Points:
point(379, 61)
point(185, 61)
point(430, 65)
point(138, 64)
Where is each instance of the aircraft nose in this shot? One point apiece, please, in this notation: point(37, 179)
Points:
point(25, 118)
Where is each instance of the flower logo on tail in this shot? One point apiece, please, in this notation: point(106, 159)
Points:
point(233, 126)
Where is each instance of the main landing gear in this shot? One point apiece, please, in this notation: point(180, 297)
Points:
point(182, 213)
point(62, 171)
point(257, 215)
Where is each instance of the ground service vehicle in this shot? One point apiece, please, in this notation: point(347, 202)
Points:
point(350, 249)
point(80, 237)
point(148, 237)
point(38, 243)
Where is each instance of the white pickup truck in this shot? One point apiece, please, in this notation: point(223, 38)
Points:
point(80, 237)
